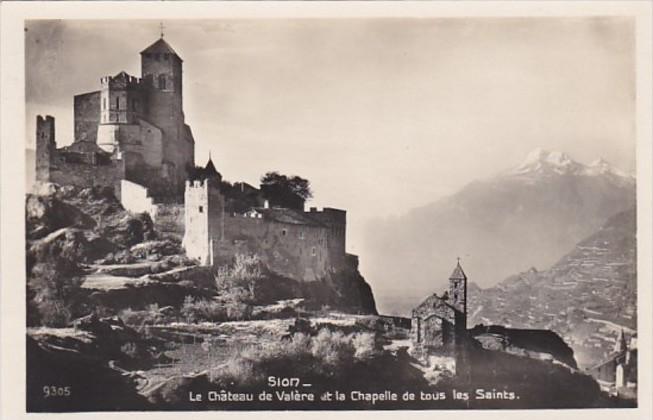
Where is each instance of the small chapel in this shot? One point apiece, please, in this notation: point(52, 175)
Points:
point(439, 323)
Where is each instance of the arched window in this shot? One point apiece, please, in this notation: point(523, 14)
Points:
point(162, 81)
point(117, 102)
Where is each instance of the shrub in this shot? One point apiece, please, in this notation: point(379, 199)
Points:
point(204, 310)
point(241, 276)
point(53, 289)
point(333, 349)
point(365, 345)
point(329, 355)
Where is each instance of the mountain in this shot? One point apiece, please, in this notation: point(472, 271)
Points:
point(587, 297)
point(527, 216)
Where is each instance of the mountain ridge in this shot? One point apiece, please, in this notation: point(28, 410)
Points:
point(498, 226)
point(587, 297)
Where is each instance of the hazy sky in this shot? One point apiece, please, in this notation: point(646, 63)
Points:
point(381, 115)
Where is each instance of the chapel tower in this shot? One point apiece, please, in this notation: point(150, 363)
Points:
point(458, 291)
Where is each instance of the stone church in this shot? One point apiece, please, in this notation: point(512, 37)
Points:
point(130, 129)
point(439, 323)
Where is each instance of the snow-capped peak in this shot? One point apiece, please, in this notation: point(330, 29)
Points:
point(544, 162)
point(540, 160)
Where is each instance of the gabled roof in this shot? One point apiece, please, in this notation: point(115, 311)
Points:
point(160, 46)
point(458, 273)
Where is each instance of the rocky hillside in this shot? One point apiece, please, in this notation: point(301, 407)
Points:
point(527, 216)
point(587, 297)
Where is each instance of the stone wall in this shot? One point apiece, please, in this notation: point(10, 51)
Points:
point(87, 116)
point(293, 250)
point(83, 175)
point(134, 197)
point(168, 218)
point(336, 220)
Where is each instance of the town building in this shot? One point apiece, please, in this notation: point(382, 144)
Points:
point(618, 372)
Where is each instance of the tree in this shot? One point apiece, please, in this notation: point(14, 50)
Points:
point(285, 191)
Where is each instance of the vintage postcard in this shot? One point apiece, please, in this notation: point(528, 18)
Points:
point(210, 208)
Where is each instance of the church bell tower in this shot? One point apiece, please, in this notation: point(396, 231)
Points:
point(458, 290)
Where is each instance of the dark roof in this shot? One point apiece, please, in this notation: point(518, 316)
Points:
point(209, 169)
point(288, 216)
point(435, 298)
point(458, 273)
point(160, 46)
point(122, 75)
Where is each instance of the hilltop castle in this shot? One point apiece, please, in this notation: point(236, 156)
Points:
point(130, 129)
point(131, 136)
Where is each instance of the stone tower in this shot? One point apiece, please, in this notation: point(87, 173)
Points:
point(120, 104)
point(161, 73)
point(203, 218)
point(458, 291)
point(45, 147)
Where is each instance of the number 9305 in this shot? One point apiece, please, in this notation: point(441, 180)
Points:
point(56, 391)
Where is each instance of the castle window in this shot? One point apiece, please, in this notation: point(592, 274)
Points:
point(117, 102)
point(301, 234)
point(162, 81)
point(284, 232)
point(201, 209)
point(313, 251)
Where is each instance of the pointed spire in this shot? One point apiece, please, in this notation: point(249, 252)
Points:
point(161, 28)
point(209, 169)
point(458, 273)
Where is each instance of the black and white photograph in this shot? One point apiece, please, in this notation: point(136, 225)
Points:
point(332, 213)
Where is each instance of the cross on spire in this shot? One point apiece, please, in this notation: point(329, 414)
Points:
point(161, 27)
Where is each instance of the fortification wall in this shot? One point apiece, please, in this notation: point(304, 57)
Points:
point(134, 197)
point(336, 220)
point(83, 175)
point(169, 218)
point(296, 251)
point(87, 116)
